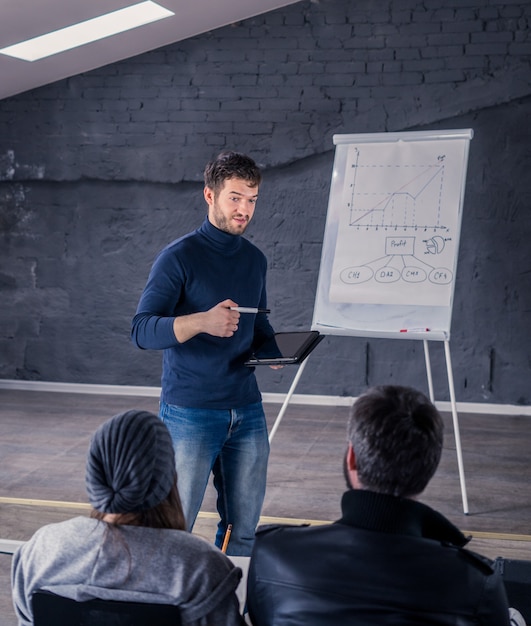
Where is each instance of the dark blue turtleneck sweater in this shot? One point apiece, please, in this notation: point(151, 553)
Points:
point(192, 274)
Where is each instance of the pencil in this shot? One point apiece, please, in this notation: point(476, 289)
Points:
point(226, 538)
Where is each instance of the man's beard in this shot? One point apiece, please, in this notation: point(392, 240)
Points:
point(224, 224)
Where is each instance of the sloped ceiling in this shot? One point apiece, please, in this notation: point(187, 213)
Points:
point(23, 19)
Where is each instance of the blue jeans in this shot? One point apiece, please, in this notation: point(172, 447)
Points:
point(233, 445)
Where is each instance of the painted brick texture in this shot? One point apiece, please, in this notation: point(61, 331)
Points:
point(99, 171)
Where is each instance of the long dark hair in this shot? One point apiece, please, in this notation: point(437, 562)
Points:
point(167, 514)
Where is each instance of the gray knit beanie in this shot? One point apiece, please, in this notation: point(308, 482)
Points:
point(130, 463)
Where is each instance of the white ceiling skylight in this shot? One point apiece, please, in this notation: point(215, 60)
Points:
point(87, 31)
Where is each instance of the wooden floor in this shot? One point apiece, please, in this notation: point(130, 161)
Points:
point(44, 438)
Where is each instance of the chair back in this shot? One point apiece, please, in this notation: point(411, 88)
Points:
point(516, 576)
point(49, 609)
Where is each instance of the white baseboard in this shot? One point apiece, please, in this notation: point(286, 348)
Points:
point(8, 546)
point(273, 398)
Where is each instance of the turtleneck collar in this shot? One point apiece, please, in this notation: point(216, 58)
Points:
point(402, 516)
point(218, 238)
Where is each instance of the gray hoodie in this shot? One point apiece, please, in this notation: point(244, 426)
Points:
point(83, 558)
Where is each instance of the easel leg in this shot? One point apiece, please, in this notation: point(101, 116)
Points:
point(428, 369)
point(456, 427)
point(288, 398)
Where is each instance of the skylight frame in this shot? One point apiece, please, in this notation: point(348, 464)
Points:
point(88, 31)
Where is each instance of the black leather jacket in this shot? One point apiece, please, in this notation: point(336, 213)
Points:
point(388, 560)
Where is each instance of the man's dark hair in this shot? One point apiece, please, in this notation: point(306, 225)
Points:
point(231, 165)
point(397, 437)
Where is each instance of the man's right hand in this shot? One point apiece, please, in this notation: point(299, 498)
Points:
point(219, 321)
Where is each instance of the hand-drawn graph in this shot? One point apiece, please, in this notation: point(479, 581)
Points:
point(398, 224)
point(405, 195)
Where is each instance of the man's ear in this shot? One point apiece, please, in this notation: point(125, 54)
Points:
point(351, 469)
point(351, 458)
point(209, 195)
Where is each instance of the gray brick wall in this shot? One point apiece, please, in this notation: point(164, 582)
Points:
point(99, 171)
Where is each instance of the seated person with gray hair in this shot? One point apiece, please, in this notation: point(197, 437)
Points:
point(390, 559)
point(134, 546)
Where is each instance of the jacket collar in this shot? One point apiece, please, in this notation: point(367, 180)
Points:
point(402, 516)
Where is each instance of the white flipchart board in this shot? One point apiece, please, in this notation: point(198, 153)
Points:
point(391, 240)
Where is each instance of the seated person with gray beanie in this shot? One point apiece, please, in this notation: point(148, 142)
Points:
point(134, 546)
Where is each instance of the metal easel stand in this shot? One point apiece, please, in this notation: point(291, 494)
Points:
point(287, 399)
point(454, 413)
point(430, 386)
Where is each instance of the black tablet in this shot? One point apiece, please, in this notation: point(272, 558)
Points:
point(286, 348)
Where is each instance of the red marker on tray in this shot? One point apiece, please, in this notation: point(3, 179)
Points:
point(414, 330)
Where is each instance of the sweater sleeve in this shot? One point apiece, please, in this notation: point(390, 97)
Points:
point(21, 598)
point(262, 328)
point(220, 607)
point(152, 326)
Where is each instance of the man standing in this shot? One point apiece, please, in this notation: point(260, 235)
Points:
point(210, 400)
point(389, 559)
